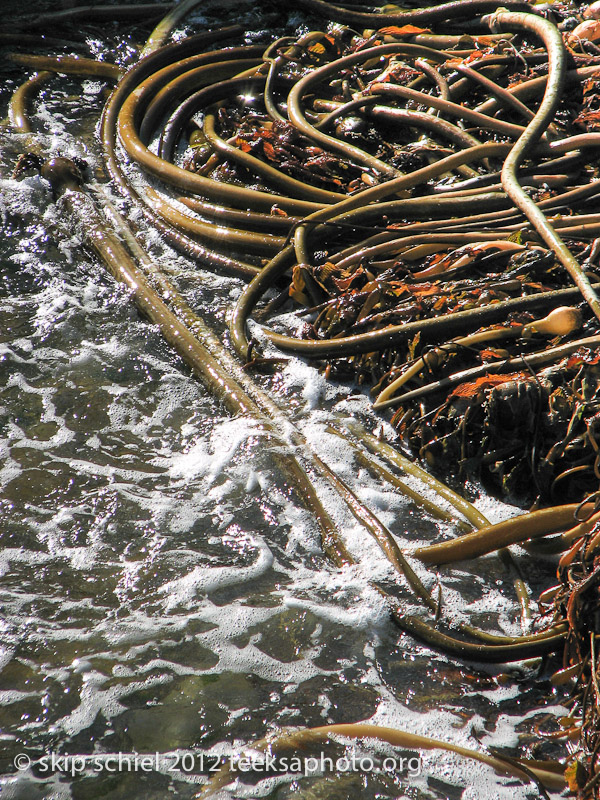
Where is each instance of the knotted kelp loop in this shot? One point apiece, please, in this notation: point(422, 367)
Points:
point(426, 256)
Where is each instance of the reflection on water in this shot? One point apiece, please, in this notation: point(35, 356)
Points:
point(162, 589)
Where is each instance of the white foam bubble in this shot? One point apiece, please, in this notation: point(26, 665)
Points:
point(207, 579)
point(369, 612)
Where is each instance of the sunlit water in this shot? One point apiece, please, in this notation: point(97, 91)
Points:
point(162, 589)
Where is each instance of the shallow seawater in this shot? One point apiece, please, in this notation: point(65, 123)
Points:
point(164, 592)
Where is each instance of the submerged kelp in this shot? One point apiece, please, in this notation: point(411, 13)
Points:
point(299, 164)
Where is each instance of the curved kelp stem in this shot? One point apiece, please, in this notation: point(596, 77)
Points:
point(18, 112)
point(164, 28)
point(382, 536)
point(466, 509)
point(494, 537)
point(389, 336)
point(299, 740)
point(459, 9)
point(108, 132)
point(542, 119)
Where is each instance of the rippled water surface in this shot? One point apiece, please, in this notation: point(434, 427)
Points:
point(163, 590)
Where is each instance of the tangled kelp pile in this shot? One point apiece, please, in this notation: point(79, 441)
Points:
point(429, 195)
point(454, 250)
